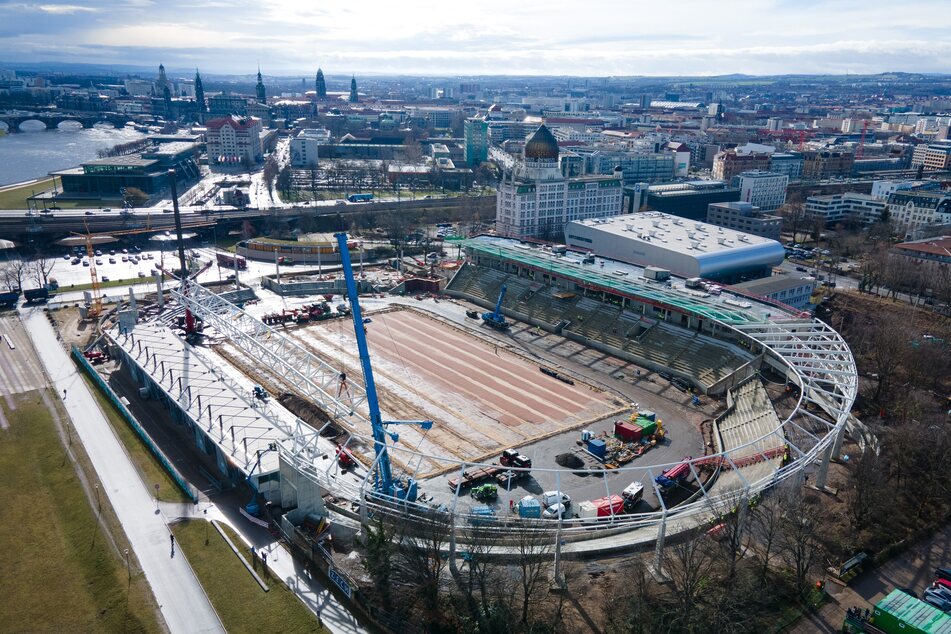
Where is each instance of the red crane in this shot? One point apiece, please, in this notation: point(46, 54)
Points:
point(861, 149)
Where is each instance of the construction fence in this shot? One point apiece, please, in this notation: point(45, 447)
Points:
point(83, 363)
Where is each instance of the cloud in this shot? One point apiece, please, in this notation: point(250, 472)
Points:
point(58, 9)
point(597, 37)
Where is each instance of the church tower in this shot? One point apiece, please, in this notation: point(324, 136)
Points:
point(162, 82)
point(259, 89)
point(354, 97)
point(200, 97)
point(321, 86)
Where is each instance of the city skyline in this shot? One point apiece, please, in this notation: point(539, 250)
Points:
point(756, 38)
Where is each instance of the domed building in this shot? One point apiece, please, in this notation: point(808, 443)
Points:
point(535, 199)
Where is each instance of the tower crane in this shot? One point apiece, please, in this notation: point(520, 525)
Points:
point(384, 482)
point(96, 308)
point(861, 148)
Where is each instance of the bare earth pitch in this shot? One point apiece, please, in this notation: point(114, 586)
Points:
point(481, 397)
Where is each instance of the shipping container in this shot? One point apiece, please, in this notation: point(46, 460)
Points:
point(9, 299)
point(597, 448)
point(648, 427)
point(903, 613)
point(601, 508)
point(36, 294)
point(628, 432)
point(649, 415)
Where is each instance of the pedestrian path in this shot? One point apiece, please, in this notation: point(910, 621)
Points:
point(311, 591)
point(181, 598)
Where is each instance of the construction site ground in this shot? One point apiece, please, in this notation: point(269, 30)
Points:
point(491, 395)
point(482, 397)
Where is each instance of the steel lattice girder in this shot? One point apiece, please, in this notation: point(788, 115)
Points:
point(312, 377)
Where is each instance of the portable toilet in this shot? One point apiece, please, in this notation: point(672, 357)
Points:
point(597, 448)
point(529, 507)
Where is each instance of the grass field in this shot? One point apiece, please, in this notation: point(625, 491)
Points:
point(241, 603)
point(146, 464)
point(61, 571)
point(15, 198)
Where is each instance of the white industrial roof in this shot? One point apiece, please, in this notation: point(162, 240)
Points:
point(676, 233)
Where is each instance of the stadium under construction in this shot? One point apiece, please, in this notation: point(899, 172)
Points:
point(568, 398)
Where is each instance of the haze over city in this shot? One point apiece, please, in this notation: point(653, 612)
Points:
point(596, 38)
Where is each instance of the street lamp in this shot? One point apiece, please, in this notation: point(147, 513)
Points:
point(128, 566)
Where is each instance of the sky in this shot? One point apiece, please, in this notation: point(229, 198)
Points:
point(487, 37)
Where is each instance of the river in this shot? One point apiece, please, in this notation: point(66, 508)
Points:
point(28, 155)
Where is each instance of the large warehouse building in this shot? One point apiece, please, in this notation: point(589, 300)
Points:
point(684, 247)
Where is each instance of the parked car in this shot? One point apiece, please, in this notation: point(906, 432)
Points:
point(937, 600)
point(554, 512)
point(550, 498)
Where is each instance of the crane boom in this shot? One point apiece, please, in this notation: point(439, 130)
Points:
point(385, 483)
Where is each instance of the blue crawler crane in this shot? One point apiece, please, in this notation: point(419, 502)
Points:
point(496, 319)
point(384, 483)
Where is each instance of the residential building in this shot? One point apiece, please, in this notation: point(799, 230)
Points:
point(685, 248)
point(636, 166)
point(790, 290)
point(234, 139)
point(731, 163)
point(476, 132)
point(932, 156)
point(304, 146)
point(225, 105)
point(883, 189)
point(863, 209)
point(742, 216)
point(914, 210)
point(788, 163)
point(931, 254)
point(535, 200)
point(820, 165)
point(766, 190)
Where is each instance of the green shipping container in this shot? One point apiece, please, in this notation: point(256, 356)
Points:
point(649, 426)
point(901, 613)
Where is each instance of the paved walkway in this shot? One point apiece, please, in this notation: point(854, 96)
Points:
point(181, 598)
point(913, 569)
point(333, 615)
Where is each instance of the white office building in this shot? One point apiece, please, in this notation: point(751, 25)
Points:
point(534, 199)
point(304, 146)
point(766, 190)
point(849, 206)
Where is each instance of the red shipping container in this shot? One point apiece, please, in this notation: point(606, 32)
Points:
point(627, 432)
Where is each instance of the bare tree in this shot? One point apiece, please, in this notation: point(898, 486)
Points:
point(731, 511)
point(691, 568)
point(12, 273)
point(798, 540)
point(378, 561)
point(422, 541)
point(766, 519)
point(864, 489)
point(533, 559)
point(40, 268)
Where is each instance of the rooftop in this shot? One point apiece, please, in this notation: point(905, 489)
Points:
point(676, 233)
point(129, 160)
point(774, 284)
point(935, 246)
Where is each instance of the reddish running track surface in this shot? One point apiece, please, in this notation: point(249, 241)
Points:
point(472, 389)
